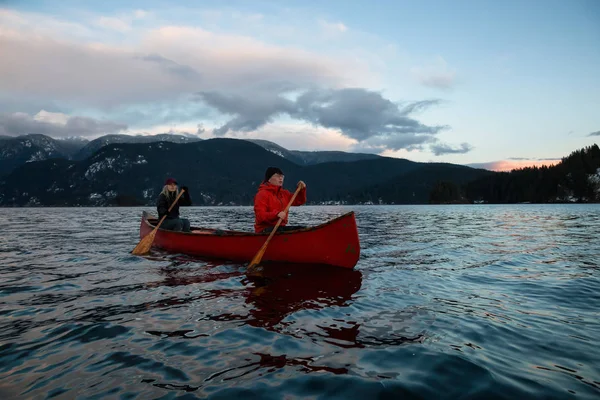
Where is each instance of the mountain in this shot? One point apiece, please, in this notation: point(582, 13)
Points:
point(217, 171)
point(16, 151)
point(228, 171)
point(311, 157)
point(278, 150)
point(105, 140)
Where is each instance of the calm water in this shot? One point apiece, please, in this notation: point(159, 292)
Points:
point(445, 302)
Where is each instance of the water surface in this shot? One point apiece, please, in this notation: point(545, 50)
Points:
point(446, 302)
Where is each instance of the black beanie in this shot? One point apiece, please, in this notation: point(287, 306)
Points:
point(272, 171)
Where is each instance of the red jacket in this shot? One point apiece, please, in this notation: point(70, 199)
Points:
point(269, 201)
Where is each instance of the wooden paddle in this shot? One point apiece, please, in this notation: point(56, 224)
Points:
point(144, 245)
point(258, 257)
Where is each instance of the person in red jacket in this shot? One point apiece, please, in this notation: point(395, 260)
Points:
point(270, 201)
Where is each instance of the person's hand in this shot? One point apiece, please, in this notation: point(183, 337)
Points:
point(301, 184)
point(185, 189)
point(282, 215)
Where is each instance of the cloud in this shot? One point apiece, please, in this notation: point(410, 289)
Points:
point(156, 65)
point(171, 67)
point(300, 136)
point(123, 23)
point(52, 118)
point(418, 106)
point(379, 144)
point(436, 75)
point(113, 23)
point(441, 148)
point(56, 125)
point(597, 133)
point(251, 111)
point(140, 14)
point(332, 28)
point(240, 84)
point(13, 22)
point(359, 114)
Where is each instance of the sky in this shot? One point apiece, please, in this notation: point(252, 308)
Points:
point(491, 84)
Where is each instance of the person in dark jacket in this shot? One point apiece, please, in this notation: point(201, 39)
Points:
point(272, 199)
point(168, 195)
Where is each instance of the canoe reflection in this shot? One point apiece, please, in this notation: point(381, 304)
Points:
point(279, 291)
point(283, 300)
point(284, 289)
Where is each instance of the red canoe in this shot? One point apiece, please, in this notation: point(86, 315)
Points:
point(332, 243)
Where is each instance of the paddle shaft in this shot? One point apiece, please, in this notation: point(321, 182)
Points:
point(258, 257)
point(146, 242)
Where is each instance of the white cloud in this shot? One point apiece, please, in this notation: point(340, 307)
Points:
point(332, 27)
point(301, 136)
point(14, 23)
point(113, 23)
point(50, 117)
point(167, 62)
point(140, 14)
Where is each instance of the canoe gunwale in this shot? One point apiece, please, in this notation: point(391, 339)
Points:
point(223, 232)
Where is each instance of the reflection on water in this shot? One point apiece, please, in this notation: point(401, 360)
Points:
point(445, 302)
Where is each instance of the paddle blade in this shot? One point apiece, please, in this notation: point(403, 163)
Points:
point(145, 244)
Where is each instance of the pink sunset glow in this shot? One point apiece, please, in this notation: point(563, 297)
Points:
point(509, 165)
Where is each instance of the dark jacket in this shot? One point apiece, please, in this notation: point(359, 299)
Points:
point(270, 201)
point(164, 202)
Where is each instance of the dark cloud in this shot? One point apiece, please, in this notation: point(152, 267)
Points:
point(441, 148)
point(420, 106)
point(15, 124)
point(597, 133)
point(250, 111)
point(380, 143)
point(359, 114)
